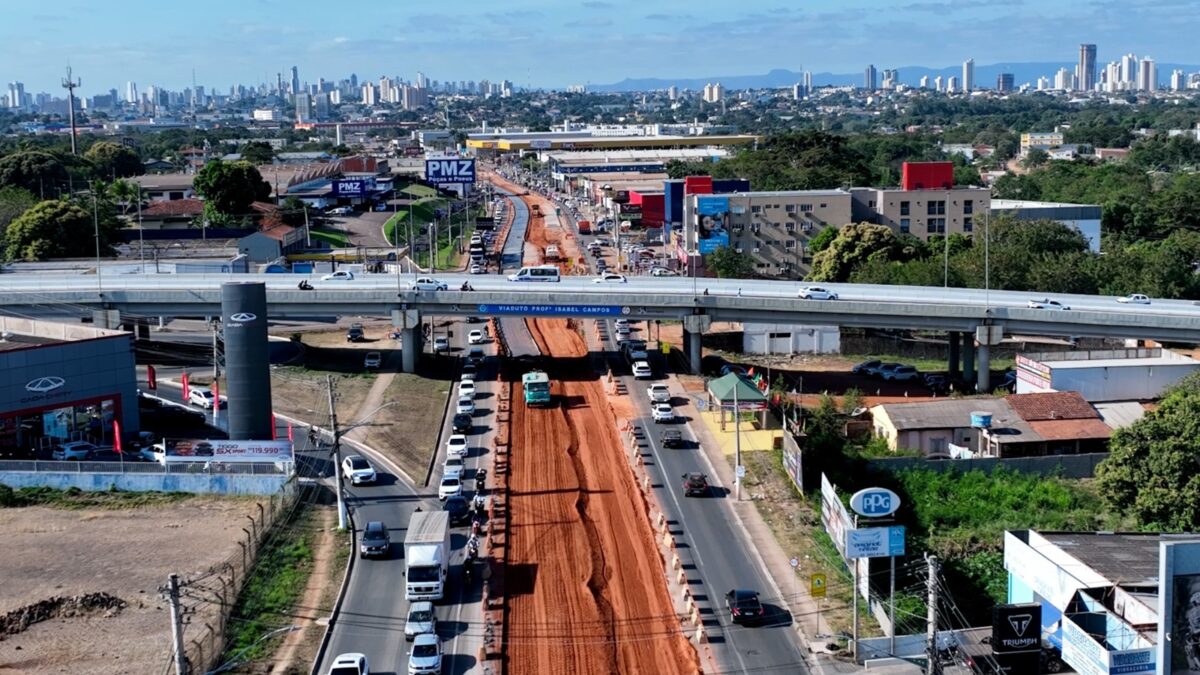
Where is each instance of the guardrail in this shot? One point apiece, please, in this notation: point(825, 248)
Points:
point(84, 466)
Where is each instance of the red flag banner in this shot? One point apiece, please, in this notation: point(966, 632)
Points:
point(216, 389)
point(274, 428)
point(151, 378)
point(117, 436)
point(186, 391)
point(291, 437)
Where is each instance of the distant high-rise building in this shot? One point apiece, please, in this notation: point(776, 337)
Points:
point(131, 95)
point(968, 78)
point(321, 106)
point(1087, 67)
point(295, 80)
point(869, 78)
point(808, 88)
point(1112, 77)
point(939, 84)
point(1064, 80)
point(672, 93)
point(1129, 71)
point(1178, 80)
point(952, 84)
point(368, 94)
point(714, 92)
point(1147, 75)
point(1004, 83)
point(924, 84)
point(798, 92)
point(1043, 83)
point(304, 107)
point(16, 95)
point(890, 78)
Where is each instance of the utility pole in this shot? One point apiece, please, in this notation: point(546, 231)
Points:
point(141, 232)
point(737, 445)
point(95, 223)
point(934, 666)
point(337, 453)
point(70, 86)
point(172, 593)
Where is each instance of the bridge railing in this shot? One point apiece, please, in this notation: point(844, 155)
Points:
point(254, 468)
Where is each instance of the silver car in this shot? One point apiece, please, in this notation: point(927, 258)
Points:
point(421, 619)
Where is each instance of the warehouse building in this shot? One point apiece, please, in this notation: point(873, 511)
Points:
point(1104, 375)
point(1082, 217)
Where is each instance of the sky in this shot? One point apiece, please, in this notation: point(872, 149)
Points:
point(555, 43)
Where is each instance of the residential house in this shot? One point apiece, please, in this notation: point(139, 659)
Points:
point(176, 214)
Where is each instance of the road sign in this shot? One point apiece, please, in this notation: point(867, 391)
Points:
point(816, 585)
point(665, 347)
point(741, 471)
point(795, 562)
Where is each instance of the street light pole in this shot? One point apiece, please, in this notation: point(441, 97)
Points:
point(737, 445)
point(337, 455)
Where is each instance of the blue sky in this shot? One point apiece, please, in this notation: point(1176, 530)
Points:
point(558, 42)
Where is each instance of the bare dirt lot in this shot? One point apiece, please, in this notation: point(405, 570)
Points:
point(125, 553)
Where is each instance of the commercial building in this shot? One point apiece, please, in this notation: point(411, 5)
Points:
point(1105, 375)
point(64, 382)
point(1112, 602)
point(772, 227)
point(1082, 217)
point(775, 338)
point(926, 203)
point(1043, 140)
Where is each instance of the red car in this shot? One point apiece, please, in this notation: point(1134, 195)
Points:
point(695, 484)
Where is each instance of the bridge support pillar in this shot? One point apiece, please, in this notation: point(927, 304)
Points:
point(955, 348)
point(408, 322)
point(968, 358)
point(987, 336)
point(693, 334)
point(106, 318)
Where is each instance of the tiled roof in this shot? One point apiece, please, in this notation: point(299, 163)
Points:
point(174, 207)
point(278, 231)
point(1058, 405)
point(1066, 430)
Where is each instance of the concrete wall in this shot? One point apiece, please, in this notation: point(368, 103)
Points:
point(756, 339)
point(223, 484)
point(1071, 466)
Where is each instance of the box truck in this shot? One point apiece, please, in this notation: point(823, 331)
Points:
point(427, 555)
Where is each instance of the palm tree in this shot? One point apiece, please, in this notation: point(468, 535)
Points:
point(125, 192)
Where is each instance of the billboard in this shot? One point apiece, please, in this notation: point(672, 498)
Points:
point(228, 451)
point(450, 171)
point(1179, 607)
point(712, 220)
point(793, 464)
point(875, 542)
point(353, 187)
point(834, 516)
point(1017, 637)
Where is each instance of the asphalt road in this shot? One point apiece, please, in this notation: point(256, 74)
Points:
point(520, 342)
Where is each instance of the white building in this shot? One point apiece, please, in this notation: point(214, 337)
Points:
point(266, 115)
point(1104, 375)
point(968, 75)
point(774, 338)
point(1147, 75)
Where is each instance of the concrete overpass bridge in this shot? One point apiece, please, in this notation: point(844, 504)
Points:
point(983, 316)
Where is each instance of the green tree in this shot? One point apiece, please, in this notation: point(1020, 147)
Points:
point(230, 187)
point(57, 229)
point(1151, 469)
point(13, 202)
point(823, 239)
point(41, 173)
point(1036, 157)
point(678, 169)
point(112, 160)
point(258, 152)
point(729, 264)
point(857, 245)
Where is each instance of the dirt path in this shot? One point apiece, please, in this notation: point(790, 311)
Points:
point(308, 608)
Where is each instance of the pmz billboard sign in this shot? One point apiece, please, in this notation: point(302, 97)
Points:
point(450, 171)
point(353, 187)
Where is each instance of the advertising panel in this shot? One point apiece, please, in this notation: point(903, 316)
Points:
point(450, 171)
point(875, 542)
point(875, 502)
point(834, 517)
point(228, 451)
point(353, 187)
point(712, 220)
point(793, 464)
point(1017, 637)
point(539, 144)
point(1179, 607)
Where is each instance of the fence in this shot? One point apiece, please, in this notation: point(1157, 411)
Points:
point(85, 466)
point(205, 634)
point(1067, 466)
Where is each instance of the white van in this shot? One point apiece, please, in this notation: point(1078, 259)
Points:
point(538, 273)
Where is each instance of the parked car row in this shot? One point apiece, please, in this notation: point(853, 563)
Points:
point(888, 372)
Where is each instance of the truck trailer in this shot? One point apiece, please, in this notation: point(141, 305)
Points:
point(427, 556)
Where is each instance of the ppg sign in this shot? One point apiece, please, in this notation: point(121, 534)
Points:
point(449, 170)
point(875, 502)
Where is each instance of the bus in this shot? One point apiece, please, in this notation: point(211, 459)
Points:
point(537, 273)
point(537, 388)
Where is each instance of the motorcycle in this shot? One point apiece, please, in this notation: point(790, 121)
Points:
point(466, 287)
point(305, 286)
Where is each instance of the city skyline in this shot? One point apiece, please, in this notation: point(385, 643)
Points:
point(150, 43)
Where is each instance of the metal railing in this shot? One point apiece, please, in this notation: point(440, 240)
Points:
point(85, 466)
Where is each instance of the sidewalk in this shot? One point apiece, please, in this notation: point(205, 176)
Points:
point(719, 447)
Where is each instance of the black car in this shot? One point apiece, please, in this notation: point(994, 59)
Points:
point(203, 449)
point(744, 606)
point(462, 423)
point(355, 333)
point(375, 541)
point(695, 484)
point(458, 508)
point(671, 438)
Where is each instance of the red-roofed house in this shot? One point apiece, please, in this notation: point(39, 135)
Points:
point(1063, 422)
point(177, 214)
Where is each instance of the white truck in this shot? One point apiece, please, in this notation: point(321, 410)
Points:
point(427, 556)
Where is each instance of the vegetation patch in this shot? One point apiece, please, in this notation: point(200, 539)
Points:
point(74, 498)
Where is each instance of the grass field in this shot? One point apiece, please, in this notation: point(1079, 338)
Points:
point(335, 238)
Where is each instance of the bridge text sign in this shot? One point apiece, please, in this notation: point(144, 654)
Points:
point(553, 310)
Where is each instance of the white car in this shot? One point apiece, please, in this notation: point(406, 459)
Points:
point(449, 487)
point(475, 337)
point(659, 393)
point(662, 272)
point(426, 655)
point(349, 664)
point(372, 360)
point(341, 211)
point(1135, 299)
point(623, 332)
point(456, 446)
point(1047, 304)
point(622, 323)
point(466, 389)
point(663, 412)
point(454, 466)
point(421, 620)
point(358, 470)
point(642, 371)
point(74, 450)
point(428, 284)
point(477, 269)
point(203, 397)
point(816, 293)
point(465, 406)
point(609, 278)
point(340, 275)
point(441, 344)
